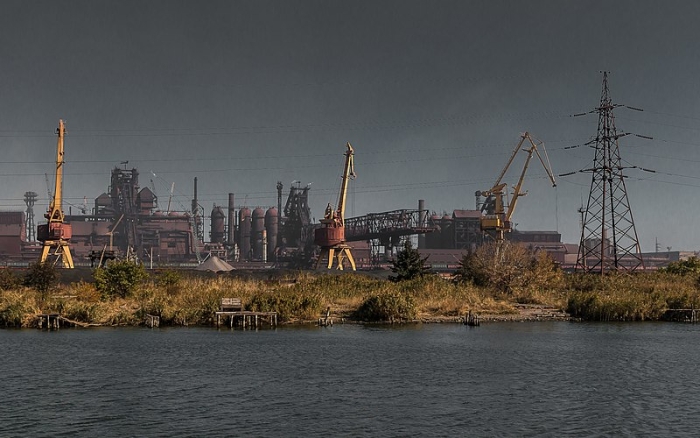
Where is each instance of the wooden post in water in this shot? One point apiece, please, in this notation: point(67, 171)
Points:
point(472, 319)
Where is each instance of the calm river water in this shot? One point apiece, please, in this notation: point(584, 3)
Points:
point(500, 379)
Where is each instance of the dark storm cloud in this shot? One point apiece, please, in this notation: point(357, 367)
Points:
point(433, 95)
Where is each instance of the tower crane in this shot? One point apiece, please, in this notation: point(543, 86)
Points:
point(55, 234)
point(497, 219)
point(331, 236)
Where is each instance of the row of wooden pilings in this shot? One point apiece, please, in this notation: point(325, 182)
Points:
point(246, 319)
point(472, 319)
point(49, 321)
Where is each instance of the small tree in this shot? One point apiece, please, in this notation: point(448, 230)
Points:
point(684, 267)
point(507, 267)
point(119, 278)
point(408, 264)
point(471, 271)
point(41, 276)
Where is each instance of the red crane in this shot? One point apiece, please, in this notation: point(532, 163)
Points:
point(331, 236)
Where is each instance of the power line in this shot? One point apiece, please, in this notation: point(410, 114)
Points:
point(271, 129)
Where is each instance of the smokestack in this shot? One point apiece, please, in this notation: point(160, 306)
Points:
point(194, 201)
point(231, 219)
point(423, 222)
point(279, 201)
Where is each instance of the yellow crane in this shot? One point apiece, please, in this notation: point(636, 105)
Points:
point(55, 234)
point(331, 236)
point(497, 220)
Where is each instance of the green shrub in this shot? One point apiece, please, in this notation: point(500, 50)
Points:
point(408, 264)
point(119, 278)
point(684, 267)
point(41, 277)
point(8, 280)
point(388, 306)
point(471, 271)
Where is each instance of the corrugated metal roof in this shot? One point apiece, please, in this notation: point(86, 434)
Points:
point(466, 214)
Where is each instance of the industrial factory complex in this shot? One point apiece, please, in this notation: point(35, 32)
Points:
point(128, 222)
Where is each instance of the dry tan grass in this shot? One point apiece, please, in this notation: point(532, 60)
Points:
point(193, 301)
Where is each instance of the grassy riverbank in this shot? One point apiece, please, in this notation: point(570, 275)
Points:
point(179, 299)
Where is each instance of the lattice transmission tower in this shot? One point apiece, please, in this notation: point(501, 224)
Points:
point(30, 200)
point(609, 239)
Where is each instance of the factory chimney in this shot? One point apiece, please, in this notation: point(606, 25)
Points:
point(194, 201)
point(422, 217)
point(231, 220)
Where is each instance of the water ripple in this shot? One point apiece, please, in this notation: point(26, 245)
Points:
point(543, 379)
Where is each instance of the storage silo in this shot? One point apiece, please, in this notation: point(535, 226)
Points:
point(256, 237)
point(244, 225)
point(271, 226)
point(218, 225)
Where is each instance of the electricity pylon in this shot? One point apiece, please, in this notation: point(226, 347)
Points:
point(609, 239)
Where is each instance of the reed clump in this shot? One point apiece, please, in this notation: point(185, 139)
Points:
point(17, 307)
point(388, 306)
point(623, 297)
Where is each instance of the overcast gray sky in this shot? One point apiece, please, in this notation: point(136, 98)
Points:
point(433, 95)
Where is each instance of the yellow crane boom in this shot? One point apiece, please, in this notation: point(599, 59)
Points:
point(497, 220)
point(55, 234)
point(547, 167)
point(348, 173)
point(55, 213)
